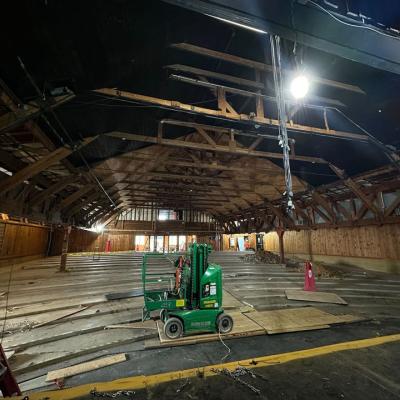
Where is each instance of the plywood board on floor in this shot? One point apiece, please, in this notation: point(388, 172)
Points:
point(242, 327)
point(229, 301)
point(65, 329)
point(85, 367)
point(319, 297)
point(59, 351)
point(298, 319)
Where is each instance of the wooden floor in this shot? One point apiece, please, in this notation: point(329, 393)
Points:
point(57, 319)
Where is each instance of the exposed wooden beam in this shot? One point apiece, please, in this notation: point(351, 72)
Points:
point(395, 203)
point(256, 142)
point(77, 207)
point(14, 164)
point(286, 220)
point(75, 196)
point(201, 178)
point(206, 136)
point(200, 165)
point(228, 115)
point(207, 147)
point(356, 189)
point(256, 65)
point(19, 116)
point(321, 200)
point(216, 75)
point(50, 191)
point(33, 169)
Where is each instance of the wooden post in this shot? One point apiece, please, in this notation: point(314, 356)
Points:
point(64, 250)
point(280, 233)
point(310, 251)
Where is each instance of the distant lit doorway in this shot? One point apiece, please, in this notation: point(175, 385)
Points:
point(160, 244)
point(173, 244)
point(152, 243)
point(182, 243)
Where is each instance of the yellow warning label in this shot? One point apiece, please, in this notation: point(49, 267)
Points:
point(180, 303)
point(209, 301)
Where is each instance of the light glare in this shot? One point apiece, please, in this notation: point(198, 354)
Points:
point(299, 86)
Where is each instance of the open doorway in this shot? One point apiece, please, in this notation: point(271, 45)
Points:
point(182, 243)
point(159, 244)
point(173, 244)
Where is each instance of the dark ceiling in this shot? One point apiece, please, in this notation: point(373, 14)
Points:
point(91, 44)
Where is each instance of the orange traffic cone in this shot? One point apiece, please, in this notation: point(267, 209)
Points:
point(108, 246)
point(309, 279)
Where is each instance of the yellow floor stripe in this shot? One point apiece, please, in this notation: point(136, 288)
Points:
point(142, 381)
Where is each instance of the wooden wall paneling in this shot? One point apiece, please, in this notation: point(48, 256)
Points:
point(22, 240)
point(377, 242)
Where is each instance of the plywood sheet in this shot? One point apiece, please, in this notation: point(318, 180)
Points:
point(242, 327)
point(229, 301)
point(85, 367)
point(298, 319)
point(319, 297)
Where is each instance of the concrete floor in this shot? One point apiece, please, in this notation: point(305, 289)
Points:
point(356, 374)
point(38, 292)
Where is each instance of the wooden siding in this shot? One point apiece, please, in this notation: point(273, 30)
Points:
point(378, 242)
point(19, 241)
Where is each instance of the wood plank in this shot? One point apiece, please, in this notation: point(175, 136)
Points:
point(9, 354)
point(53, 189)
point(298, 319)
point(229, 301)
point(216, 75)
point(85, 367)
point(242, 327)
point(220, 113)
point(69, 328)
point(256, 64)
point(33, 169)
point(319, 297)
point(208, 147)
point(75, 196)
point(68, 314)
point(62, 350)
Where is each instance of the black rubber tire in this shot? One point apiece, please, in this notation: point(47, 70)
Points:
point(173, 328)
point(224, 323)
point(163, 314)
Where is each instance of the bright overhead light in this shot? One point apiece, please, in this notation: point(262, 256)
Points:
point(299, 86)
point(98, 228)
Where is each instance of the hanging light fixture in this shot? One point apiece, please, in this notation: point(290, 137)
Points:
point(300, 86)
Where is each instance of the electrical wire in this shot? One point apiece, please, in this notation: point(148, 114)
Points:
point(281, 105)
point(352, 24)
point(227, 347)
point(375, 141)
point(64, 131)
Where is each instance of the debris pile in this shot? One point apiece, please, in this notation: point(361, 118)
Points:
point(261, 257)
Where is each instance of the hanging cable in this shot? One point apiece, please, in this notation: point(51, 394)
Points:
point(280, 101)
point(79, 152)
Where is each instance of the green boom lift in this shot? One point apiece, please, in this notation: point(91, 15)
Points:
point(189, 301)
